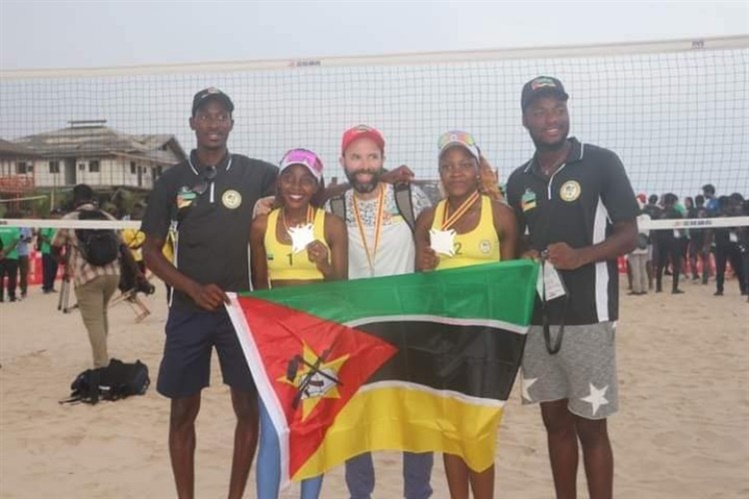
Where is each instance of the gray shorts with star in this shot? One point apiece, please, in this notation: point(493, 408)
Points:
point(583, 371)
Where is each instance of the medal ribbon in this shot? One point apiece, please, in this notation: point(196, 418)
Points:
point(310, 217)
point(462, 209)
point(371, 256)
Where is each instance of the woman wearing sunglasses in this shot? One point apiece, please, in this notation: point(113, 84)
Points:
point(293, 245)
point(470, 227)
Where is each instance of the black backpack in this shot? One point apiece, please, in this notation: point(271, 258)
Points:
point(117, 381)
point(98, 247)
point(403, 202)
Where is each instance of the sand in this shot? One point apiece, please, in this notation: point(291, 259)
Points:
point(682, 431)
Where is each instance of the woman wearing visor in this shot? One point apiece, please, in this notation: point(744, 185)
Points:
point(295, 244)
point(470, 227)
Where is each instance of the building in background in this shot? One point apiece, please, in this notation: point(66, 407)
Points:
point(15, 186)
point(16, 167)
point(90, 152)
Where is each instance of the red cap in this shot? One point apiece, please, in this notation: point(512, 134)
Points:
point(642, 198)
point(361, 132)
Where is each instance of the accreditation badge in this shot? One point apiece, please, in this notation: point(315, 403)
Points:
point(549, 285)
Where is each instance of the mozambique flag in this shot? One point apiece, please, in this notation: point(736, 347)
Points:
point(418, 362)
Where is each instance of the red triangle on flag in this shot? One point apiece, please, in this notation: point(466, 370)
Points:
point(314, 365)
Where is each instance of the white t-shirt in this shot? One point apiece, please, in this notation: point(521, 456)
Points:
point(395, 252)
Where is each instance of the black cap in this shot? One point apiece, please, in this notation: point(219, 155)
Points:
point(541, 85)
point(211, 93)
point(82, 193)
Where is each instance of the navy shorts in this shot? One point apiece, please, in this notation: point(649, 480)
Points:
point(191, 335)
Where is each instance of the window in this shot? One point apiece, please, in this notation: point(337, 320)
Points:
point(22, 168)
point(81, 167)
point(54, 167)
point(132, 168)
point(93, 166)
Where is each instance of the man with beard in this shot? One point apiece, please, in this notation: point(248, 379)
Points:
point(579, 208)
point(380, 244)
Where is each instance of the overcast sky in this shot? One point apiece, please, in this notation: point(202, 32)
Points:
point(65, 34)
point(671, 137)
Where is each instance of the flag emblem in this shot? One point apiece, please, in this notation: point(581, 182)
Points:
point(418, 362)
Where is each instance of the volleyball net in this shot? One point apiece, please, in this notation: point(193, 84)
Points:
point(676, 112)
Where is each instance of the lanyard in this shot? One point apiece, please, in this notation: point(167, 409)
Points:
point(378, 226)
point(552, 349)
point(310, 217)
point(448, 222)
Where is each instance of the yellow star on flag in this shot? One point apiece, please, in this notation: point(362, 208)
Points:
point(319, 386)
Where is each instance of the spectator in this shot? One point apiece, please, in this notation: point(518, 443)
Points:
point(697, 251)
point(95, 282)
point(727, 246)
point(134, 238)
point(639, 256)
point(669, 245)
point(49, 262)
point(654, 211)
point(24, 247)
point(9, 239)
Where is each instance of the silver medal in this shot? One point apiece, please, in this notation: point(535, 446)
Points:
point(443, 241)
point(300, 237)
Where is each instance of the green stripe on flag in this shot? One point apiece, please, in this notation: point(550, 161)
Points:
point(446, 293)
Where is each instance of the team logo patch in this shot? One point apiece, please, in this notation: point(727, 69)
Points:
point(185, 197)
point(528, 201)
point(231, 199)
point(485, 247)
point(570, 191)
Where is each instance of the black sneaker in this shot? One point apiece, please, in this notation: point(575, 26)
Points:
point(677, 292)
point(718, 293)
